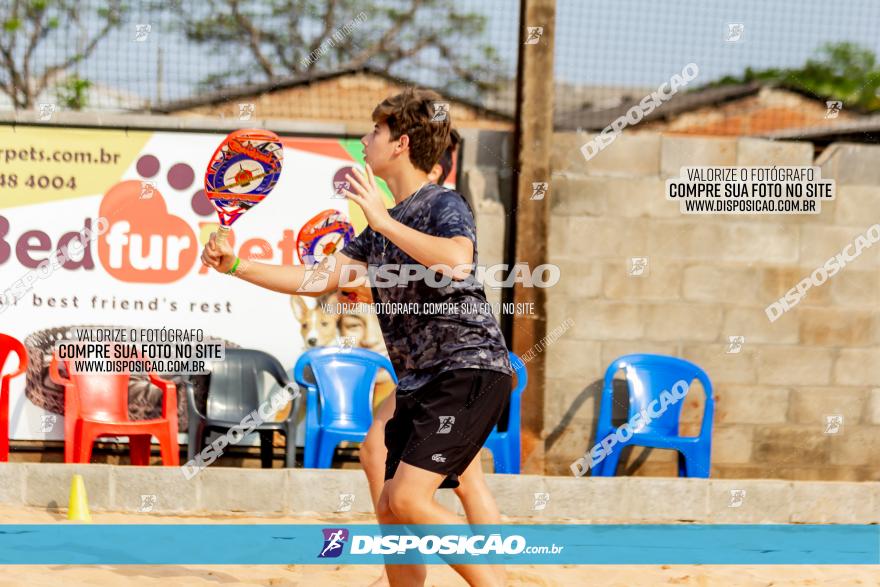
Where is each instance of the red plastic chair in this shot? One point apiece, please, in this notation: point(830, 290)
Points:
point(96, 405)
point(8, 345)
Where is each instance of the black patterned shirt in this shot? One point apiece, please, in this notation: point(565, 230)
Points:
point(430, 329)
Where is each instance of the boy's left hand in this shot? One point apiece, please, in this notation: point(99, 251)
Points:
point(366, 193)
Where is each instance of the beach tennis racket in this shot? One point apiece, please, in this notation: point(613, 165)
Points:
point(322, 236)
point(244, 169)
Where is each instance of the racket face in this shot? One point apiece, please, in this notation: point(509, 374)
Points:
point(244, 169)
point(322, 236)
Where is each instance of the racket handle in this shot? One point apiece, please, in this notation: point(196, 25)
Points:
point(222, 232)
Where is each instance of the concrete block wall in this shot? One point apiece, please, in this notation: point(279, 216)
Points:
point(290, 492)
point(710, 277)
point(486, 180)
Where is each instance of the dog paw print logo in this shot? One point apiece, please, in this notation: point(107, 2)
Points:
point(144, 241)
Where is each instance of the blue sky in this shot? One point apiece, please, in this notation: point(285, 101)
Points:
point(627, 42)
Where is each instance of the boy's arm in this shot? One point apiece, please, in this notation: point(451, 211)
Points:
point(456, 251)
point(429, 250)
point(304, 280)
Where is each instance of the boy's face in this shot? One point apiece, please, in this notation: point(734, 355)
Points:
point(379, 150)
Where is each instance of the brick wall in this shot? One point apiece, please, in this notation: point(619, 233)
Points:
point(709, 277)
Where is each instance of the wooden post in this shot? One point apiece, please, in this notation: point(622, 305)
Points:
point(534, 133)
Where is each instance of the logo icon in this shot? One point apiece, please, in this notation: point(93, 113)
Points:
point(446, 423)
point(737, 497)
point(539, 190)
point(833, 108)
point(735, 32)
point(317, 275)
point(833, 424)
point(541, 501)
point(735, 344)
point(46, 111)
point(47, 422)
point(438, 458)
point(148, 502)
point(147, 189)
point(638, 266)
point(345, 502)
point(441, 111)
point(533, 34)
point(141, 32)
point(334, 540)
point(346, 343)
point(246, 111)
point(338, 187)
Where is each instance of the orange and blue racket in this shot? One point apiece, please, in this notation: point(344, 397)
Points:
point(242, 172)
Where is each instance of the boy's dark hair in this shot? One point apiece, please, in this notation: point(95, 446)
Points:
point(448, 155)
point(414, 113)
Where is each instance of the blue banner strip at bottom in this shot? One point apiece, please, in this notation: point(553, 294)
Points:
point(553, 544)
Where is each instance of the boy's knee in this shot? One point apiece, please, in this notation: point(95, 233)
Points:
point(401, 504)
point(373, 446)
point(384, 512)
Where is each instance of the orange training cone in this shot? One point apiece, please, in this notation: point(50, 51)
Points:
point(78, 508)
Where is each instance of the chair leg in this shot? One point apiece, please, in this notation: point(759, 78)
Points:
point(170, 450)
point(266, 449)
point(609, 464)
point(325, 453)
point(4, 438)
point(290, 446)
point(139, 449)
point(85, 442)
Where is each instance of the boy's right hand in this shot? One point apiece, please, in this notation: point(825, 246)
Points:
point(218, 255)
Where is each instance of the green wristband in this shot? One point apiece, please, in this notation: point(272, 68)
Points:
point(234, 267)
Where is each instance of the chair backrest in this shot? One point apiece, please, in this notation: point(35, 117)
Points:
point(9, 344)
point(647, 377)
point(237, 384)
point(521, 378)
point(344, 381)
point(101, 396)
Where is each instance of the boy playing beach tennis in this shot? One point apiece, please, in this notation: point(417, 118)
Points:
point(453, 367)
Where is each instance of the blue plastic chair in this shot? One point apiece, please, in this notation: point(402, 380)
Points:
point(506, 446)
point(647, 376)
point(339, 400)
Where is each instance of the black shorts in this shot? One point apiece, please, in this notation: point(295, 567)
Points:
point(442, 425)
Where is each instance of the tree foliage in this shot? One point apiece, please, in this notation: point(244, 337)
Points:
point(295, 38)
point(28, 24)
point(840, 71)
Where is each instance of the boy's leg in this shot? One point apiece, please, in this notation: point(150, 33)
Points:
point(410, 496)
point(397, 575)
point(437, 431)
point(479, 505)
point(373, 452)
